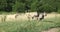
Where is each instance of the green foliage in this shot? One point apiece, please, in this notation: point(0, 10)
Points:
point(32, 5)
point(19, 7)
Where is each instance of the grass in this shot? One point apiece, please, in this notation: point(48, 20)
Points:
point(30, 26)
point(5, 13)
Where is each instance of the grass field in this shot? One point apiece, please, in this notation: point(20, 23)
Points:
point(30, 26)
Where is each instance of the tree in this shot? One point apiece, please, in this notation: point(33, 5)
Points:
point(10, 3)
point(2, 4)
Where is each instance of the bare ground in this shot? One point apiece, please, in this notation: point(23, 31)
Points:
point(53, 30)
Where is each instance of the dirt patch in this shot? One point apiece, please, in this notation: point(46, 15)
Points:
point(52, 30)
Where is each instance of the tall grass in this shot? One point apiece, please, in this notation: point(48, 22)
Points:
point(29, 26)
